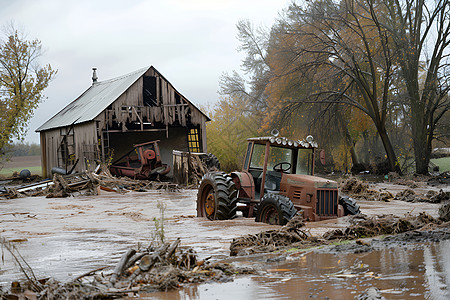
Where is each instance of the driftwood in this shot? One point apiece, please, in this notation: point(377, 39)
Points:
point(148, 261)
point(121, 265)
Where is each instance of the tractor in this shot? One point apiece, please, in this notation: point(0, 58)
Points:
point(277, 181)
point(143, 161)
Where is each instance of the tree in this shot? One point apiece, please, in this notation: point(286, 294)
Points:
point(228, 131)
point(344, 54)
point(22, 82)
point(420, 31)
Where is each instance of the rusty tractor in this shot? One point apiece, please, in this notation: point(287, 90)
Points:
point(277, 180)
point(142, 162)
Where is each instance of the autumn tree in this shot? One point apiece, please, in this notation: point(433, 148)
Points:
point(228, 131)
point(22, 82)
point(345, 53)
point(420, 31)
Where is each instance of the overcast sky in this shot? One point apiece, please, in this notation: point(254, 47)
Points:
point(191, 42)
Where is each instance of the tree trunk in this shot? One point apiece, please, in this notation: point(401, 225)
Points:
point(351, 144)
point(422, 149)
point(392, 158)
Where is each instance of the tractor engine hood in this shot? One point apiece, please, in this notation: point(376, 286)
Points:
point(308, 180)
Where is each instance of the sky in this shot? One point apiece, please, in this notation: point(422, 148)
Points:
point(191, 42)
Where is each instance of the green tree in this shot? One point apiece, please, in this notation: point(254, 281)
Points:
point(22, 82)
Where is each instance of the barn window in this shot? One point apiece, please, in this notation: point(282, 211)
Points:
point(150, 91)
point(194, 140)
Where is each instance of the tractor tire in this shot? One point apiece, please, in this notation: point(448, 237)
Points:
point(350, 206)
point(211, 162)
point(217, 197)
point(275, 209)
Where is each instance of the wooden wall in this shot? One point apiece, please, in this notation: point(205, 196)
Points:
point(84, 134)
point(130, 106)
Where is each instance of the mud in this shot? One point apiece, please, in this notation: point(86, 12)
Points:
point(64, 238)
point(403, 272)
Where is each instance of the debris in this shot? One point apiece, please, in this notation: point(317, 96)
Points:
point(86, 184)
point(371, 293)
point(444, 212)
point(358, 189)
point(363, 226)
point(443, 178)
point(161, 268)
point(431, 196)
point(270, 240)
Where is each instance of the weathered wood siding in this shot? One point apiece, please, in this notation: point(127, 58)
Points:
point(130, 106)
point(84, 134)
point(170, 122)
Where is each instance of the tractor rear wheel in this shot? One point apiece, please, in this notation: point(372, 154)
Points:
point(217, 197)
point(350, 206)
point(275, 209)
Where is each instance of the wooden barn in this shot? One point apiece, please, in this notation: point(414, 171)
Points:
point(111, 116)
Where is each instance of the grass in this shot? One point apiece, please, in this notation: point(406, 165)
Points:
point(443, 163)
point(8, 172)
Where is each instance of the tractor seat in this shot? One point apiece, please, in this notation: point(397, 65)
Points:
point(273, 180)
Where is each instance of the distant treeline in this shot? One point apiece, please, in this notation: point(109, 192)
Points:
point(24, 149)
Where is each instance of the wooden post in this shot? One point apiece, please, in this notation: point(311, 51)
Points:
point(43, 154)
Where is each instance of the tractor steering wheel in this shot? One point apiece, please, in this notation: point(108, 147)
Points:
point(279, 167)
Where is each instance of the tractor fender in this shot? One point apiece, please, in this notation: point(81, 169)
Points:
point(244, 184)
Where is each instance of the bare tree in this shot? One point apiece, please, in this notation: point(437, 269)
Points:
point(420, 31)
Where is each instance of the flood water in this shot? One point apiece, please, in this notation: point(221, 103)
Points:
point(66, 237)
point(404, 272)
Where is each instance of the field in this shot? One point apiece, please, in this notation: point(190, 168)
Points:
point(443, 163)
point(18, 163)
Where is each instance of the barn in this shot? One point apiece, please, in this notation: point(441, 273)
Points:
point(113, 115)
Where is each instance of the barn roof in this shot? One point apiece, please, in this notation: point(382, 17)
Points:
point(94, 100)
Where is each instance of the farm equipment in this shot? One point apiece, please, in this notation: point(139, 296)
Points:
point(142, 162)
point(277, 180)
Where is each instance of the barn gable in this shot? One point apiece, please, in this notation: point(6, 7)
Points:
point(112, 115)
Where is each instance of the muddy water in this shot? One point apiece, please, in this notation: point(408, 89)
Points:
point(403, 272)
point(64, 238)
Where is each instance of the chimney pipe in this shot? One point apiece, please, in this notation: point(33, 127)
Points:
point(94, 75)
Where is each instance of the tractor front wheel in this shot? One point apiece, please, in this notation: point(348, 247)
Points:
point(217, 197)
point(350, 205)
point(275, 209)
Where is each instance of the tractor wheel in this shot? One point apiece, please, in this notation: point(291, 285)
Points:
point(217, 197)
point(275, 209)
point(350, 205)
point(211, 162)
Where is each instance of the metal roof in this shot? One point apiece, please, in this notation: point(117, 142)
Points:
point(285, 142)
point(93, 101)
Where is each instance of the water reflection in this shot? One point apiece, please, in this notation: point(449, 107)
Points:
point(401, 272)
point(437, 271)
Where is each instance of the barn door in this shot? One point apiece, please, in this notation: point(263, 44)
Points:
point(66, 149)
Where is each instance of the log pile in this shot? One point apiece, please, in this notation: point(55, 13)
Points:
point(162, 267)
